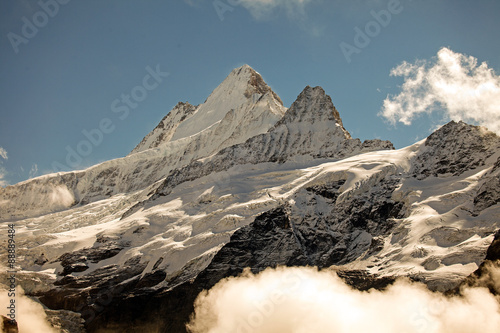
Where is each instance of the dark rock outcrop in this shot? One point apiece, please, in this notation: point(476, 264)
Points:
point(78, 261)
point(9, 326)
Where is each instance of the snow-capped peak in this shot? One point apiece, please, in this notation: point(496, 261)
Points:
point(242, 88)
point(234, 100)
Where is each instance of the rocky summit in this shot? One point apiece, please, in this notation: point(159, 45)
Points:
point(241, 182)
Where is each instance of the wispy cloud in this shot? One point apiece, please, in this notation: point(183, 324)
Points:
point(3, 154)
point(194, 3)
point(451, 83)
point(34, 171)
point(295, 10)
point(3, 172)
point(262, 9)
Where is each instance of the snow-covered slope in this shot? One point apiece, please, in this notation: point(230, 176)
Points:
point(253, 185)
point(164, 131)
point(241, 107)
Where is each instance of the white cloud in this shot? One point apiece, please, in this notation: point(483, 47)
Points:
point(261, 9)
point(451, 83)
point(305, 300)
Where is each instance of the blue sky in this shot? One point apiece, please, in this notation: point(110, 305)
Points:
point(62, 77)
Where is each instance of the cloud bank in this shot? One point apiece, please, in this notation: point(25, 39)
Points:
point(300, 300)
point(451, 83)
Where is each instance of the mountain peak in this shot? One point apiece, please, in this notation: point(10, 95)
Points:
point(453, 128)
point(244, 70)
point(255, 82)
point(313, 105)
point(241, 90)
point(456, 135)
point(455, 148)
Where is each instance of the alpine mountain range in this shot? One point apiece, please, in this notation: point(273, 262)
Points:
point(242, 182)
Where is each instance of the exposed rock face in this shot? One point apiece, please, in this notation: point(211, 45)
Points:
point(455, 148)
point(78, 261)
point(66, 321)
point(347, 228)
point(269, 241)
point(257, 84)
